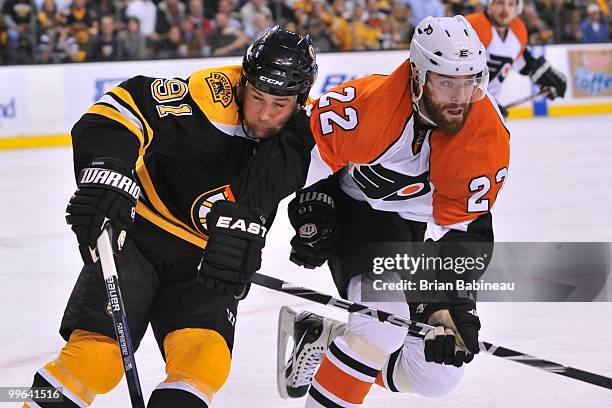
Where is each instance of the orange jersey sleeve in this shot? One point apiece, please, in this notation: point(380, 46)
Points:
point(483, 27)
point(469, 168)
point(520, 30)
point(357, 121)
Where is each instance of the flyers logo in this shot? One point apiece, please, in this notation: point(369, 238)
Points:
point(379, 183)
point(201, 206)
point(220, 88)
point(498, 64)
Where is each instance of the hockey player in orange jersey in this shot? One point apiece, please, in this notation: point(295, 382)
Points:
point(419, 155)
point(505, 37)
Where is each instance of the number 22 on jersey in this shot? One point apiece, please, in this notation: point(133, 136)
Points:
point(480, 186)
point(347, 121)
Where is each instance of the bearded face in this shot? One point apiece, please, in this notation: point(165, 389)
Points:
point(446, 100)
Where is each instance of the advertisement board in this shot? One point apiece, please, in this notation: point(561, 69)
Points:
point(591, 72)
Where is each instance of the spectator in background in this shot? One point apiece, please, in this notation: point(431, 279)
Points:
point(3, 40)
point(225, 40)
point(538, 31)
point(107, 8)
point(375, 13)
point(82, 22)
point(389, 38)
point(146, 13)
point(233, 17)
point(249, 10)
point(62, 5)
point(458, 7)
point(423, 8)
point(365, 37)
point(133, 42)
point(197, 17)
point(107, 46)
point(171, 45)
point(338, 31)
point(170, 13)
point(571, 29)
point(593, 28)
point(262, 24)
point(194, 42)
point(48, 16)
point(79, 16)
point(400, 22)
point(320, 33)
point(18, 16)
point(56, 45)
point(282, 13)
point(212, 6)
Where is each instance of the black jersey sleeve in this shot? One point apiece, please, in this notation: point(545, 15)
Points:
point(280, 167)
point(116, 126)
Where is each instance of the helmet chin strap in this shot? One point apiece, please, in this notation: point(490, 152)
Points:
point(242, 83)
point(416, 101)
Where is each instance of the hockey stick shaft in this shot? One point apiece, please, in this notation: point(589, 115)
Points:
point(526, 99)
point(122, 333)
point(420, 329)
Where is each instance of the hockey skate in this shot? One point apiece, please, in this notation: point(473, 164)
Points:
point(312, 335)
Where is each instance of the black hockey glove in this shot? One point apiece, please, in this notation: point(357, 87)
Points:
point(106, 190)
point(236, 236)
point(313, 217)
point(545, 76)
point(457, 318)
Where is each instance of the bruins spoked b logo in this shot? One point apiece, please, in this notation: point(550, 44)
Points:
point(220, 88)
point(202, 205)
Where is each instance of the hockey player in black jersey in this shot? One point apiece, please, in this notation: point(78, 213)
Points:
point(153, 155)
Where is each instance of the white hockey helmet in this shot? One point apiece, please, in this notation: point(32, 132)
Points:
point(447, 46)
point(520, 5)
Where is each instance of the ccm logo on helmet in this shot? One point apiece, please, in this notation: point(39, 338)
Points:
point(253, 227)
point(271, 81)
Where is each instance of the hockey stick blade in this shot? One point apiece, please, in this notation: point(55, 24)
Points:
point(420, 329)
point(122, 333)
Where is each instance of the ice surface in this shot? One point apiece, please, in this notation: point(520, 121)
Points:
point(559, 189)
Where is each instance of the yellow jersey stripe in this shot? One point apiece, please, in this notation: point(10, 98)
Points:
point(164, 224)
point(158, 204)
point(116, 116)
point(127, 98)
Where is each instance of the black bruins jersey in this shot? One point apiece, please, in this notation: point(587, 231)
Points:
point(188, 149)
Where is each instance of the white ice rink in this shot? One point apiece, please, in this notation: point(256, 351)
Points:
point(559, 189)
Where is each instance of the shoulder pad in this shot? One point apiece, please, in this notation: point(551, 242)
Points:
point(213, 91)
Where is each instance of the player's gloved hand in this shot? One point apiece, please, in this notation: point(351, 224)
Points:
point(455, 339)
point(313, 217)
point(106, 190)
point(545, 76)
point(236, 236)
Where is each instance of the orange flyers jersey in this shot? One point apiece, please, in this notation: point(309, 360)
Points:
point(502, 53)
point(367, 128)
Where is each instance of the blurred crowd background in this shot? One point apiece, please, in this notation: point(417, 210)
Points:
point(55, 31)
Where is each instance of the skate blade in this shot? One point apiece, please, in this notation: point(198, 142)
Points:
point(286, 318)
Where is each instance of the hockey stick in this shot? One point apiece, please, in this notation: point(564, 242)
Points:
point(122, 333)
point(526, 99)
point(420, 329)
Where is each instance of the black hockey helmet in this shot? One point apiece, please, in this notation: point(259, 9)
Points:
point(281, 63)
